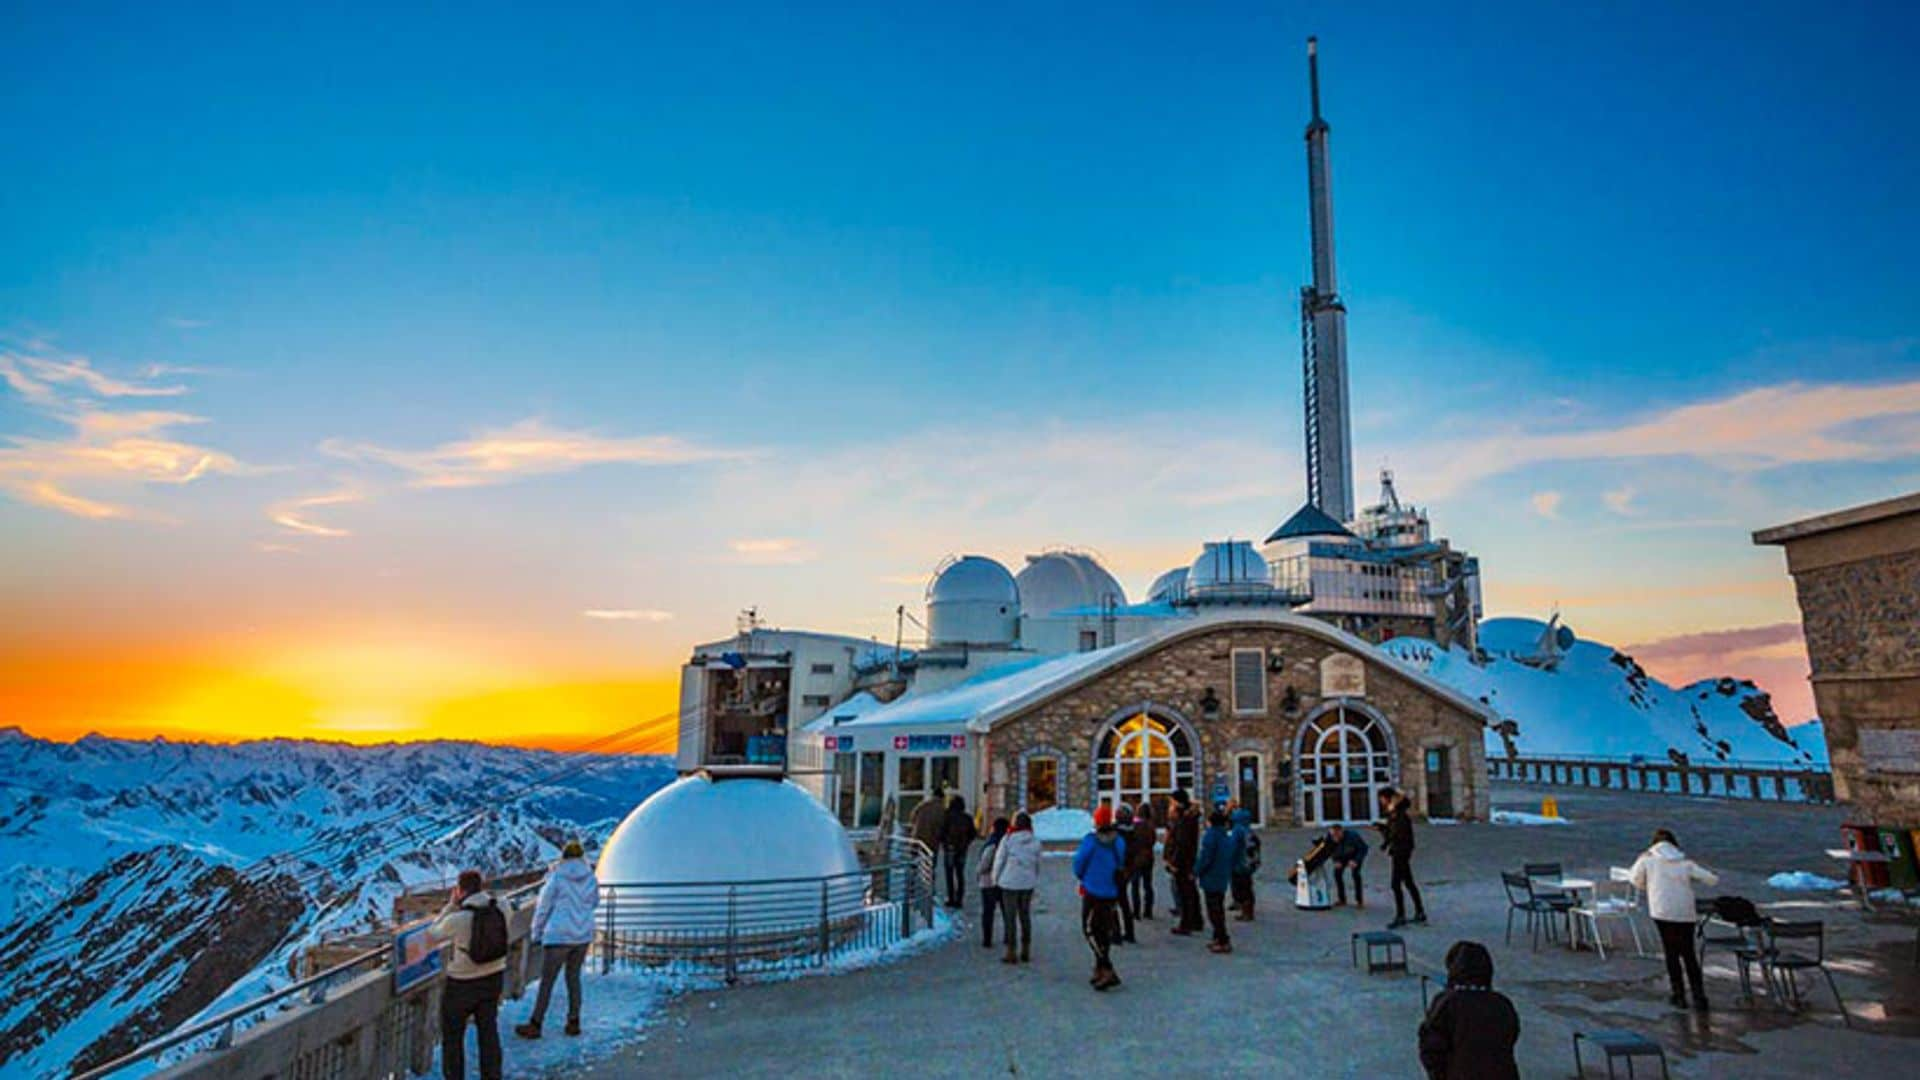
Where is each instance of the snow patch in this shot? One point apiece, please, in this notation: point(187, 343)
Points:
point(1521, 817)
point(1060, 823)
point(1801, 880)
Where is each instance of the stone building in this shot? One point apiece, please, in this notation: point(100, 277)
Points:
point(1857, 573)
point(1297, 720)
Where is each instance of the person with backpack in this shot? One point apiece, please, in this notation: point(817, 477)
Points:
point(1016, 870)
point(957, 834)
point(563, 928)
point(1247, 842)
point(1397, 830)
point(476, 927)
point(1140, 844)
point(983, 877)
point(928, 821)
point(1214, 869)
point(1665, 874)
point(1123, 824)
point(1471, 1028)
point(1098, 864)
point(1183, 847)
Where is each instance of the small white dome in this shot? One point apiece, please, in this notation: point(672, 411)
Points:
point(1060, 580)
point(726, 831)
point(973, 600)
point(1168, 586)
point(1228, 568)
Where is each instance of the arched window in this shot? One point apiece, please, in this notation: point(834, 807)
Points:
point(1142, 758)
point(1345, 756)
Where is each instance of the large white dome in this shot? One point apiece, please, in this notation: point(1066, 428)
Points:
point(1171, 585)
point(973, 601)
point(1228, 568)
point(1060, 580)
point(744, 829)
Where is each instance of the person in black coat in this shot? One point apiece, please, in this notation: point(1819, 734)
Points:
point(957, 834)
point(1347, 851)
point(1471, 1029)
point(1183, 850)
point(1397, 828)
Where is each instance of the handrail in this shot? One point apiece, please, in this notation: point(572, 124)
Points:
point(215, 1023)
point(1648, 761)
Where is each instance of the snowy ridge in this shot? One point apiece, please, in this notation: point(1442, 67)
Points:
point(134, 896)
point(1598, 702)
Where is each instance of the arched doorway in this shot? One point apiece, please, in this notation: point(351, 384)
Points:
point(1143, 756)
point(1345, 755)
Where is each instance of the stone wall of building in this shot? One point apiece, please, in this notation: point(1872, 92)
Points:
point(1176, 679)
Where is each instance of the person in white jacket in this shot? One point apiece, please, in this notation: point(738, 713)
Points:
point(1666, 875)
point(1016, 870)
point(563, 928)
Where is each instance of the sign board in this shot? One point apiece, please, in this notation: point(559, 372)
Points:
point(1895, 750)
point(417, 958)
point(929, 744)
point(1221, 793)
point(842, 743)
point(1343, 675)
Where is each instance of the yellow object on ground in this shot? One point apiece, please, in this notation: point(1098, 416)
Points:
point(1549, 807)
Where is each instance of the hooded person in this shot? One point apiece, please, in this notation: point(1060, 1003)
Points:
point(1183, 849)
point(984, 881)
point(1214, 869)
point(928, 822)
point(957, 834)
point(1140, 845)
point(563, 928)
point(1016, 871)
point(1098, 864)
point(1665, 874)
point(1471, 1028)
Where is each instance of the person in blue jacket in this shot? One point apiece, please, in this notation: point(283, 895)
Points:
point(1099, 864)
point(1247, 865)
point(1219, 854)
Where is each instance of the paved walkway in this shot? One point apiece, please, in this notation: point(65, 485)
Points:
point(1288, 1003)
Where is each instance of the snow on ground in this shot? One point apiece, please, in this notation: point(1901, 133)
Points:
point(1061, 823)
point(1801, 880)
point(1599, 702)
point(1521, 817)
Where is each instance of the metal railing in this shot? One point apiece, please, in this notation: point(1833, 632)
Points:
point(217, 1032)
point(743, 928)
point(1759, 781)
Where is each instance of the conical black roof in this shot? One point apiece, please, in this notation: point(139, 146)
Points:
point(1309, 520)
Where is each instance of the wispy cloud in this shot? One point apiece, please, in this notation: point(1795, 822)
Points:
point(771, 551)
point(1767, 427)
point(105, 448)
point(1546, 503)
point(528, 448)
point(293, 514)
point(1620, 501)
point(648, 615)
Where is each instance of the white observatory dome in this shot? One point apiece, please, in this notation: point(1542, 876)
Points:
point(1228, 568)
point(1059, 580)
point(697, 829)
point(1169, 586)
point(973, 600)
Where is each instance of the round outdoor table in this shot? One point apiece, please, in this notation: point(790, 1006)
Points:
point(1575, 885)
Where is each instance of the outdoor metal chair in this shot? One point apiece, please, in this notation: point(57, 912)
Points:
point(1790, 961)
point(1539, 910)
point(1552, 872)
point(1617, 1043)
point(1712, 931)
point(1620, 907)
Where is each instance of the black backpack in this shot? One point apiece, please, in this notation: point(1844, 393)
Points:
point(487, 937)
point(1250, 858)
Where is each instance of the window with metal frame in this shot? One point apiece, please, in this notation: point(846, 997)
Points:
point(1249, 682)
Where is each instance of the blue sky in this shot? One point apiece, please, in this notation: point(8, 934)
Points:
point(879, 283)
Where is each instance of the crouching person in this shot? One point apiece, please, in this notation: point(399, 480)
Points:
point(563, 928)
point(1471, 1029)
point(477, 928)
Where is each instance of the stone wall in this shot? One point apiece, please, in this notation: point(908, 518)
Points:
point(1176, 677)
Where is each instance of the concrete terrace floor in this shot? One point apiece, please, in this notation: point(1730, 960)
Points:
point(1287, 1002)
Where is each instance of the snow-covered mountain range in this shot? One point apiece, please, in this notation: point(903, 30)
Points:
point(1594, 700)
point(143, 883)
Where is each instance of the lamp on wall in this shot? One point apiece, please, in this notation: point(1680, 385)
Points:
point(1210, 705)
point(1276, 663)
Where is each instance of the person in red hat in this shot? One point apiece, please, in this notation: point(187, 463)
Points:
point(1099, 865)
